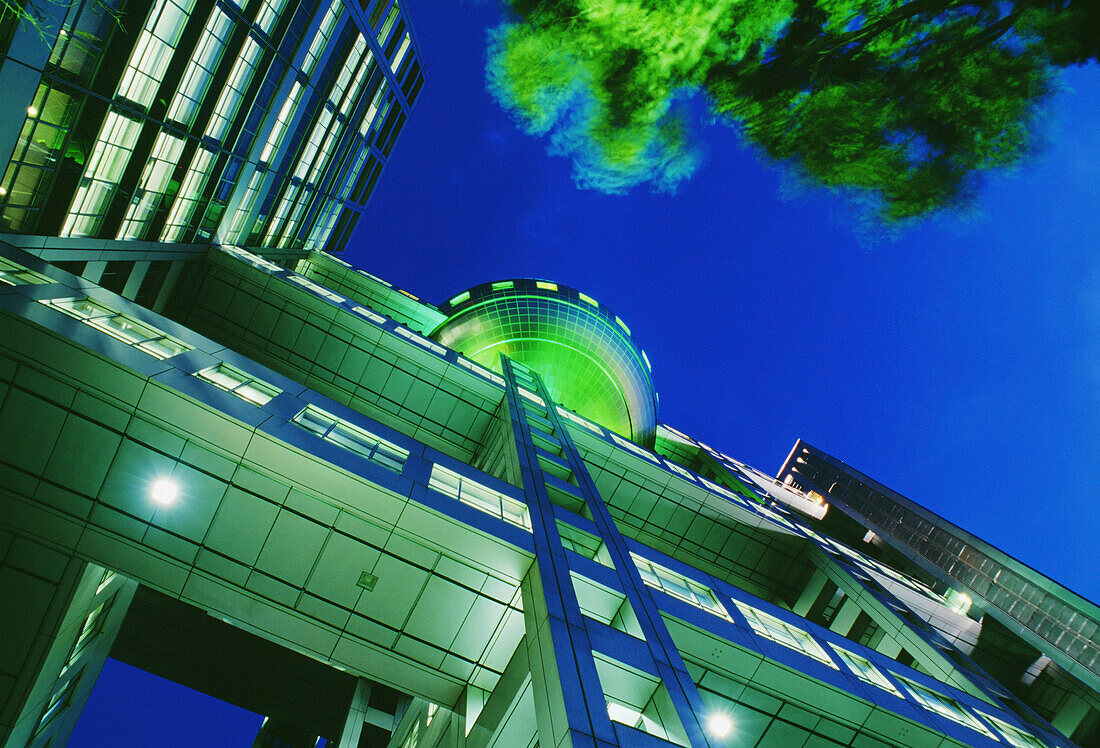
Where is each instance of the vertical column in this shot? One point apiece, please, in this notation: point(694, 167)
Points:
point(666, 657)
point(61, 618)
point(570, 707)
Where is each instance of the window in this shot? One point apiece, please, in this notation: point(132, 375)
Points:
point(420, 340)
point(154, 181)
point(632, 447)
point(348, 436)
point(1014, 735)
point(233, 90)
point(110, 155)
point(482, 498)
point(580, 421)
point(145, 338)
point(944, 706)
point(242, 385)
point(200, 69)
point(275, 138)
point(865, 670)
point(316, 288)
point(320, 39)
point(679, 586)
point(784, 633)
point(12, 274)
point(481, 371)
point(153, 51)
point(190, 193)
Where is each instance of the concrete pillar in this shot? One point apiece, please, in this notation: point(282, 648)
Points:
point(845, 617)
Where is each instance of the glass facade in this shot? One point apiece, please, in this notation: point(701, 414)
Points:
point(173, 137)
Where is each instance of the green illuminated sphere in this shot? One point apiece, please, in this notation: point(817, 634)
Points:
point(584, 354)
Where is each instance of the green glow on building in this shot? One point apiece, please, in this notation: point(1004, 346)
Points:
point(584, 353)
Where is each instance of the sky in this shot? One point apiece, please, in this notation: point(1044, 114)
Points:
point(958, 363)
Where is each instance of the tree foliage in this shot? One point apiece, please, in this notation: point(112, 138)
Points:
point(906, 102)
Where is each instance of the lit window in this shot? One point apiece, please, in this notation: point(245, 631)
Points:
point(678, 470)
point(400, 53)
point(377, 319)
point(865, 670)
point(324, 33)
point(316, 288)
point(12, 274)
point(481, 371)
point(482, 498)
point(387, 26)
point(580, 421)
point(501, 285)
point(275, 138)
point(252, 259)
point(1014, 735)
point(546, 286)
point(154, 181)
point(460, 298)
point(679, 586)
point(240, 384)
point(532, 397)
point(200, 69)
point(632, 447)
point(784, 633)
point(269, 11)
point(233, 90)
point(944, 706)
point(622, 324)
point(587, 298)
point(190, 193)
point(110, 155)
point(646, 359)
point(348, 436)
point(145, 338)
point(420, 340)
point(153, 51)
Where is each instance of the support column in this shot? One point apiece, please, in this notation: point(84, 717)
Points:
point(558, 646)
point(60, 619)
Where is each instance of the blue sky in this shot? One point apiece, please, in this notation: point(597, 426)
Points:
point(958, 364)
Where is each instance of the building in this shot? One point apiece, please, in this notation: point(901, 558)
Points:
point(145, 130)
point(315, 495)
point(232, 459)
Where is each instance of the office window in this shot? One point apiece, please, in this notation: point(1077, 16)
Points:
point(154, 181)
point(275, 137)
point(321, 38)
point(316, 288)
point(944, 706)
point(153, 51)
point(679, 586)
point(110, 155)
point(190, 193)
point(244, 386)
point(200, 69)
point(140, 335)
point(1014, 735)
point(784, 633)
point(269, 13)
point(865, 670)
point(420, 340)
point(13, 274)
point(234, 89)
point(482, 498)
point(348, 436)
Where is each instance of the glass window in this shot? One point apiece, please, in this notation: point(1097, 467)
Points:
point(1014, 735)
point(482, 498)
point(13, 274)
point(865, 670)
point(200, 69)
point(321, 38)
point(679, 586)
point(346, 435)
point(189, 195)
point(110, 155)
point(781, 632)
point(234, 89)
point(154, 182)
point(242, 385)
point(144, 337)
point(944, 706)
point(316, 288)
point(153, 51)
point(420, 340)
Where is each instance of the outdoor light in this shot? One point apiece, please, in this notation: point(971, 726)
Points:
point(32, 111)
point(719, 725)
point(164, 491)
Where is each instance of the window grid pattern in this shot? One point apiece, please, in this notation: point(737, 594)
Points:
point(781, 632)
point(154, 182)
point(233, 380)
point(866, 671)
point(944, 706)
point(153, 51)
point(482, 498)
point(321, 38)
point(139, 335)
point(679, 586)
point(190, 194)
point(110, 155)
point(350, 437)
point(1014, 735)
point(14, 274)
point(234, 89)
point(200, 69)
